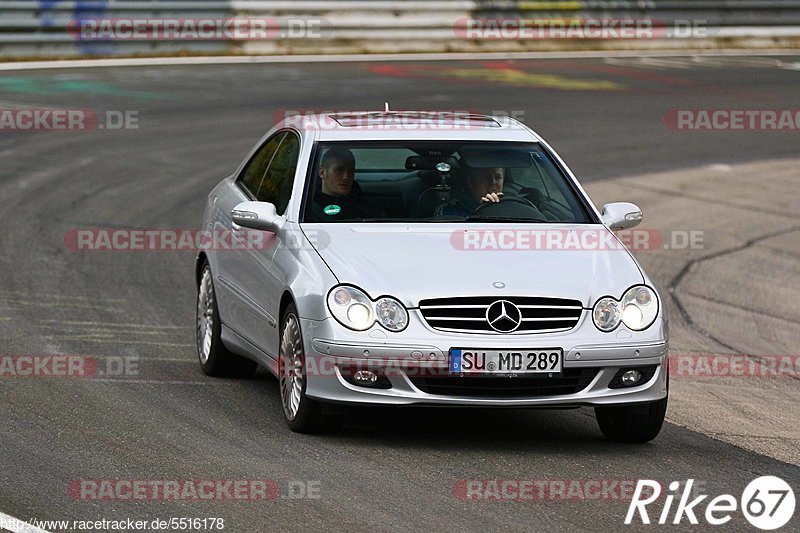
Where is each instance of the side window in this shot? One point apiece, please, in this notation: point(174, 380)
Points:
point(254, 172)
point(276, 187)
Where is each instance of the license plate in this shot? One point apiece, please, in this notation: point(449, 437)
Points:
point(493, 362)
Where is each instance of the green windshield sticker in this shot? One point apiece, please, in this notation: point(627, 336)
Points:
point(332, 210)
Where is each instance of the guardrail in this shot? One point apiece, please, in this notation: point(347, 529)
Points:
point(52, 28)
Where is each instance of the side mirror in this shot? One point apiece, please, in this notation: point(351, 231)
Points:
point(257, 215)
point(621, 215)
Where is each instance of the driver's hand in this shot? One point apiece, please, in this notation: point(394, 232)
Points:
point(492, 197)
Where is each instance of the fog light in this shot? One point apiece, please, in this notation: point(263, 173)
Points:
point(365, 377)
point(631, 377)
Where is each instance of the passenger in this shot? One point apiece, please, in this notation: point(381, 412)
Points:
point(340, 197)
point(484, 185)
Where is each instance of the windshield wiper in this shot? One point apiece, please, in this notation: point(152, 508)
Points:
point(388, 219)
point(482, 218)
point(471, 218)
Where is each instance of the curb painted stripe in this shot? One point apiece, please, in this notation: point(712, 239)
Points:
point(344, 58)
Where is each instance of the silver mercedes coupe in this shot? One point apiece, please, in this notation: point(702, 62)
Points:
point(432, 259)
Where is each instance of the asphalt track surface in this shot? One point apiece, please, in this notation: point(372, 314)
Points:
point(387, 469)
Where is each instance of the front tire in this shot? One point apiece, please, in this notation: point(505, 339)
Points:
point(631, 423)
point(302, 414)
point(215, 359)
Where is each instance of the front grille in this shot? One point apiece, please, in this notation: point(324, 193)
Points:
point(570, 381)
point(468, 313)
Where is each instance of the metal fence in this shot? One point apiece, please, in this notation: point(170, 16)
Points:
point(75, 28)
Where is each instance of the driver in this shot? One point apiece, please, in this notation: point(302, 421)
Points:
point(483, 185)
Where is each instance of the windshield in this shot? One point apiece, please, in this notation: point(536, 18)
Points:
point(439, 182)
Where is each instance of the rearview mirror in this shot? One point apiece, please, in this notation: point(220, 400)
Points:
point(257, 215)
point(621, 215)
point(485, 156)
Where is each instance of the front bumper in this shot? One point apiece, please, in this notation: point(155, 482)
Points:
point(408, 357)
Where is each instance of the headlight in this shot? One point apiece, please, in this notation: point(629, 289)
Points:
point(639, 307)
point(637, 310)
point(391, 314)
point(606, 314)
point(352, 308)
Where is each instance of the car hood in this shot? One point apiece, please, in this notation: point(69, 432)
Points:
point(419, 261)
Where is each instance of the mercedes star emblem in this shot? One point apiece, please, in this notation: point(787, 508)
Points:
point(503, 316)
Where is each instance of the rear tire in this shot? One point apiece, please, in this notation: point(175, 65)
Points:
point(302, 414)
point(215, 359)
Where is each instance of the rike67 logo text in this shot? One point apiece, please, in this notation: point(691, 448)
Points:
point(767, 503)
